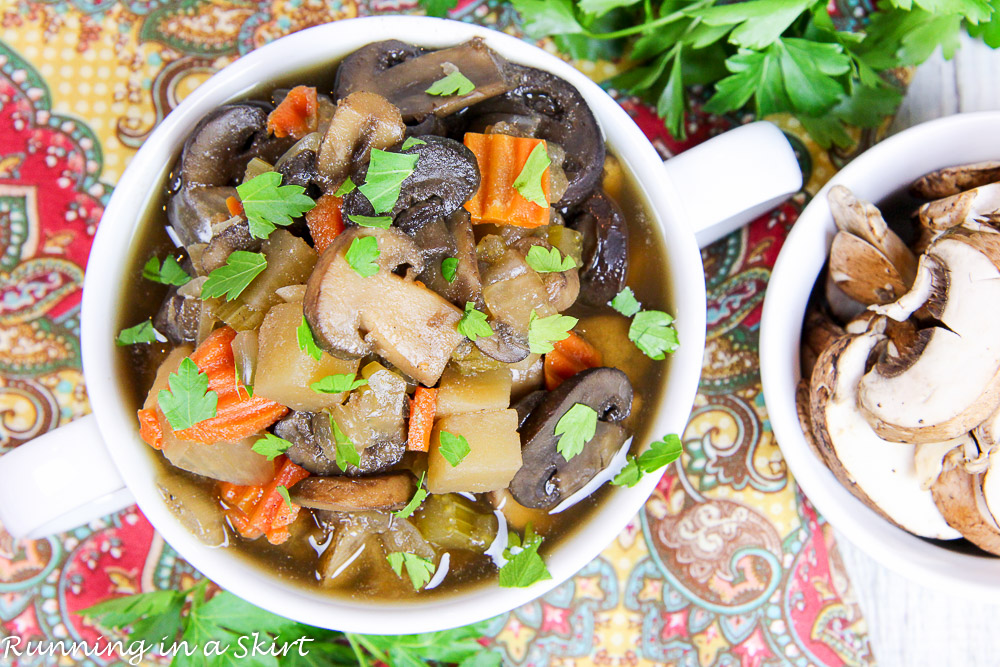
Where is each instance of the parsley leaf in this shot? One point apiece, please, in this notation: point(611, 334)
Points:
point(381, 221)
point(652, 332)
point(271, 446)
point(267, 203)
point(543, 331)
point(576, 428)
point(345, 187)
point(188, 400)
point(473, 323)
point(239, 271)
point(283, 492)
point(454, 448)
point(411, 142)
point(629, 475)
point(660, 454)
point(418, 569)
point(306, 340)
point(362, 255)
point(345, 452)
point(454, 83)
point(140, 333)
point(170, 273)
point(529, 182)
point(335, 384)
point(626, 303)
point(386, 173)
point(524, 566)
point(544, 18)
point(438, 8)
point(548, 260)
point(449, 268)
point(418, 498)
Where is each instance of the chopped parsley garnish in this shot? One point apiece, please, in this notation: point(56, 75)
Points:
point(418, 497)
point(529, 182)
point(239, 271)
point(454, 83)
point(381, 221)
point(543, 331)
point(140, 333)
point(411, 142)
point(473, 323)
point(548, 260)
point(345, 187)
point(575, 428)
point(267, 203)
point(524, 566)
point(170, 273)
point(386, 173)
point(449, 268)
point(418, 569)
point(362, 255)
point(306, 340)
point(454, 448)
point(335, 384)
point(659, 455)
point(271, 446)
point(344, 450)
point(188, 400)
point(652, 332)
point(626, 303)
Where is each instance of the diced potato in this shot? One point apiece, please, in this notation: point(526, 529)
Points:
point(290, 260)
point(511, 301)
point(167, 366)
point(459, 393)
point(376, 411)
point(494, 452)
point(285, 372)
point(234, 462)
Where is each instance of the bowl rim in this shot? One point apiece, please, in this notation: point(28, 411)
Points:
point(914, 152)
point(133, 195)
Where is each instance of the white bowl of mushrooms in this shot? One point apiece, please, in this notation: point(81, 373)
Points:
point(880, 352)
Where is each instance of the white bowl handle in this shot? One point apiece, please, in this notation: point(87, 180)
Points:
point(60, 480)
point(733, 178)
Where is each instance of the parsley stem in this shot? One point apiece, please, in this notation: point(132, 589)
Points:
point(663, 20)
point(373, 649)
point(358, 653)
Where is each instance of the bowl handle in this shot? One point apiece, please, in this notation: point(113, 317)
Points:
point(60, 480)
point(733, 178)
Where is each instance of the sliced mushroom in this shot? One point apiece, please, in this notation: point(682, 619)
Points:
point(605, 249)
point(546, 477)
point(363, 121)
point(863, 272)
point(193, 211)
point(865, 221)
point(960, 497)
point(403, 322)
point(878, 472)
point(451, 238)
point(402, 73)
point(313, 447)
point(505, 345)
point(445, 176)
point(953, 180)
point(563, 287)
point(354, 494)
point(979, 205)
point(818, 333)
point(948, 380)
point(842, 307)
point(235, 235)
point(183, 318)
point(548, 107)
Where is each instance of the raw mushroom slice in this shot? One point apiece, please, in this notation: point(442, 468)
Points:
point(962, 500)
point(842, 307)
point(863, 272)
point(953, 180)
point(864, 220)
point(979, 205)
point(818, 333)
point(948, 380)
point(987, 434)
point(880, 473)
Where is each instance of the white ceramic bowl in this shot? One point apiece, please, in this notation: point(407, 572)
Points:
point(888, 167)
point(106, 273)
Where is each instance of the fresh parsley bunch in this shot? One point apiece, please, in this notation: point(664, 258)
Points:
point(771, 56)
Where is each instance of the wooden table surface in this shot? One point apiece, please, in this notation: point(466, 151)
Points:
point(912, 626)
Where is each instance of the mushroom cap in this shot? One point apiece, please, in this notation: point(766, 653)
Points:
point(863, 272)
point(975, 205)
point(605, 248)
point(864, 220)
point(960, 497)
point(953, 180)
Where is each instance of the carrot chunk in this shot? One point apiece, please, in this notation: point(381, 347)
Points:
point(234, 206)
point(297, 115)
point(325, 221)
point(501, 159)
point(150, 429)
point(422, 410)
point(261, 510)
point(568, 357)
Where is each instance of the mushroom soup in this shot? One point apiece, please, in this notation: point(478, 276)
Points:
point(900, 394)
point(398, 331)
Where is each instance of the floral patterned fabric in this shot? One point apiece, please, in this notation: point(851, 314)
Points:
point(727, 564)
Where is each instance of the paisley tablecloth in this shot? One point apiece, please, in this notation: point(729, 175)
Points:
point(728, 563)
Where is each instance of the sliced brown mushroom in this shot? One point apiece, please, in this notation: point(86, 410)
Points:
point(605, 249)
point(953, 180)
point(960, 497)
point(313, 447)
point(451, 238)
point(235, 235)
point(363, 121)
point(878, 472)
point(563, 287)
point(354, 494)
point(546, 477)
point(865, 221)
point(948, 380)
point(972, 206)
point(818, 333)
point(403, 322)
